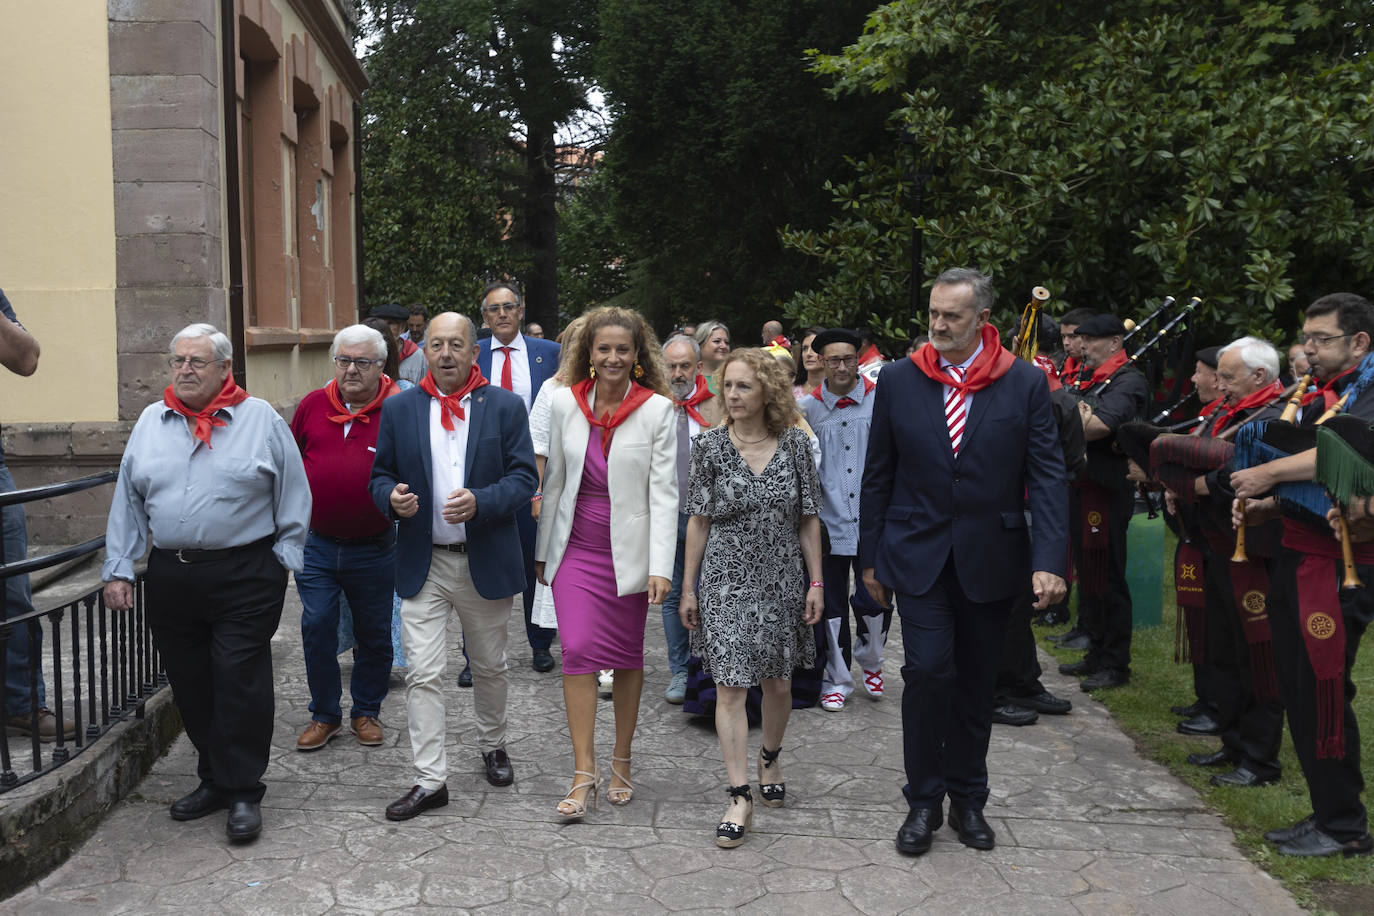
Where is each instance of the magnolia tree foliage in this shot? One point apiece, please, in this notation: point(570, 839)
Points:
point(1113, 152)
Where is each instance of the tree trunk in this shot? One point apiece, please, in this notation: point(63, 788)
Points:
point(540, 234)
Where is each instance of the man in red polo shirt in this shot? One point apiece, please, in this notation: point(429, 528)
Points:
point(351, 549)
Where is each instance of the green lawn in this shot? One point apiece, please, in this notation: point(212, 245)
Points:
point(1142, 709)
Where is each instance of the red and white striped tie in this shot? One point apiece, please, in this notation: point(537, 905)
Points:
point(955, 409)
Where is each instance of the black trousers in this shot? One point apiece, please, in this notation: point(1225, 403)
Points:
point(1334, 785)
point(1252, 731)
point(951, 646)
point(213, 624)
point(1107, 617)
point(1018, 671)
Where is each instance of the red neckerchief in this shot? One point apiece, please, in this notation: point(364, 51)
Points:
point(1210, 406)
point(385, 390)
point(847, 401)
point(229, 395)
point(870, 355)
point(781, 341)
point(700, 395)
point(637, 395)
point(993, 363)
point(1046, 365)
point(452, 403)
point(407, 347)
point(1104, 371)
point(1327, 390)
point(1257, 398)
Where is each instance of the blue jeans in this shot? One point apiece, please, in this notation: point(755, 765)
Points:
point(18, 601)
point(365, 574)
point(673, 630)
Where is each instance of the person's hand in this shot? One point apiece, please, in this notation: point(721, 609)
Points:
point(1049, 589)
point(1135, 473)
point(687, 610)
point(460, 506)
point(815, 605)
point(1255, 512)
point(1171, 502)
point(876, 590)
point(659, 588)
point(403, 502)
point(1359, 509)
point(534, 507)
point(119, 595)
point(539, 572)
point(1248, 483)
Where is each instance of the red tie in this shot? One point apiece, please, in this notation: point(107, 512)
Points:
point(505, 369)
point(955, 409)
point(846, 402)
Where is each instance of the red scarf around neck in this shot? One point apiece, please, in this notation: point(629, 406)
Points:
point(869, 385)
point(364, 415)
point(700, 395)
point(1104, 371)
point(636, 397)
point(1327, 390)
point(1257, 398)
point(1069, 374)
point(452, 403)
point(229, 395)
point(407, 347)
point(993, 363)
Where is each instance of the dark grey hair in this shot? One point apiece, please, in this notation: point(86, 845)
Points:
point(983, 295)
point(223, 348)
point(494, 285)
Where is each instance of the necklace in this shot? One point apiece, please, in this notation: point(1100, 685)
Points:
point(742, 441)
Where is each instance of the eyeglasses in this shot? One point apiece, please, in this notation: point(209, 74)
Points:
point(1322, 341)
point(835, 362)
point(343, 362)
point(176, 362)
point(501, 307)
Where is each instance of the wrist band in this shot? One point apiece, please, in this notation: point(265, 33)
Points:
point(818, 585)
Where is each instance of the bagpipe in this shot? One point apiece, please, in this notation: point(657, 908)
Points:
point(1174, 323)
point(1027, 343)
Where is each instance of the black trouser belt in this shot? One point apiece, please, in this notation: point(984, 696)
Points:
point(383, 539)
point(196, 555)
point(453, 548)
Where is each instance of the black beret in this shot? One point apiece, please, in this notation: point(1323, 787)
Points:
point(1208, 356)
point(836, 335)
point(1101, 326)
point(389, 312)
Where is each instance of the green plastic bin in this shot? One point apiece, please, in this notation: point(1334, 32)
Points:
point(1145, 569)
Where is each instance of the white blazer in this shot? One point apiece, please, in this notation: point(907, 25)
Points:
point(641, 477)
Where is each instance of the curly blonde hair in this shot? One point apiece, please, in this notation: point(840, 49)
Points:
point(779, 407)
point(568, 340)
point(647, 352)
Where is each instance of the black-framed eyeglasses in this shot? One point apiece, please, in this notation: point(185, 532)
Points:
point(1322, 341)
point(835, 362)
point(176, 362)
point(501, 307)
point(343, 362)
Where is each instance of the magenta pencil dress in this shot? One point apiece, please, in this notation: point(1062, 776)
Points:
point(596, 628)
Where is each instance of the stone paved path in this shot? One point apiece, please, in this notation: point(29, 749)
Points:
point(1084, 825)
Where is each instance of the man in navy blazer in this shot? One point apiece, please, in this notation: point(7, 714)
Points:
point(962, 434)
point(521, 364)
point(454, 464)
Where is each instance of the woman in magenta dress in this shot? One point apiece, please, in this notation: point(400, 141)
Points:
point(607, 531)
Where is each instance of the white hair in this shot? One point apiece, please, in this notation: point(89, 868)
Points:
point(222, 347)
point(359, 334)
point(684, 338)
point(1256, 354)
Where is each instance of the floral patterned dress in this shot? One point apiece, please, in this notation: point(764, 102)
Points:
point(752, 587)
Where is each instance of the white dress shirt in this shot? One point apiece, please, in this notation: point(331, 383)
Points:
point(519, 358)
point(448, 451)
point(968, 395)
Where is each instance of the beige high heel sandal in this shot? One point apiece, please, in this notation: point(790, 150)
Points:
point(578, 809)
point(620, 795)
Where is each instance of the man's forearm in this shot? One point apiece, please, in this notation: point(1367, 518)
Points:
point(19, 350)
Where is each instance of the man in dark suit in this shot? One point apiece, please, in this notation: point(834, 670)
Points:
point(519, 363)
point(454, 463)
point(962, 432)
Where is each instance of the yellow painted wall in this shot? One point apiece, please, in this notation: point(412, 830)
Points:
point(57, 249)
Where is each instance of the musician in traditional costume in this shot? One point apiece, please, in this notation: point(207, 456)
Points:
point(1101, 503)
point(1316, 623)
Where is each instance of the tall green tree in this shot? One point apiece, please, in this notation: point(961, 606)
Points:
point(722, 136)
point(1113, 152)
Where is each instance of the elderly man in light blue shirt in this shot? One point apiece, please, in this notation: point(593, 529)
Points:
point(215, 478)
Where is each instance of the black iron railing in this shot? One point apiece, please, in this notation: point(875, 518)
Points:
point(101, 663)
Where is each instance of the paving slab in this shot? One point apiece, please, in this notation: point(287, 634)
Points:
point(1084, 824)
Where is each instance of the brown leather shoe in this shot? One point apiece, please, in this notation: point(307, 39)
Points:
point(416, 800)
point(317, 735)
point(368, 730)
point(47, 726)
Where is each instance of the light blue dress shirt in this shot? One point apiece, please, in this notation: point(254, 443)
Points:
point(843, 436)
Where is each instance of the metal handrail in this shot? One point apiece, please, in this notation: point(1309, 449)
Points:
point(48, 491)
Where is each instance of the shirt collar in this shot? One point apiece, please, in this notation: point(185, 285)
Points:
point(227, 409)
point(944, 363)
point(856, 394)
point(518, 343)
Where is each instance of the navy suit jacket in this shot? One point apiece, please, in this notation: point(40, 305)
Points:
point(919, 504)
point(498, 469)
point(543, 359)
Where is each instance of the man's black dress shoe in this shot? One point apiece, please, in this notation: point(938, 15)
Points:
point(1243, 777)
point(1078, 668)
point(543, 660)
point(1007, 714)
point(1105, 679)
point(1044, 702)
point(1200, 724)
point(465, 677)
point(245, 821)
point(1077, 644)
point(499, 770)
point(913, 838)
point(972, 828)
point(1219, 758)
point(198, 804)
point(1067, 634)
point(1316, 844)
point(1195, 708)
point(1284, 834)
point(416, 800)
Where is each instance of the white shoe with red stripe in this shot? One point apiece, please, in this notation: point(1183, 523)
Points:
point(832, 701)
point(873, 683)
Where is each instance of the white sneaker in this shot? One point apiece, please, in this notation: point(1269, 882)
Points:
point(832, 701)
point(873, 683)
point(605, 680)
point(677, 689)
